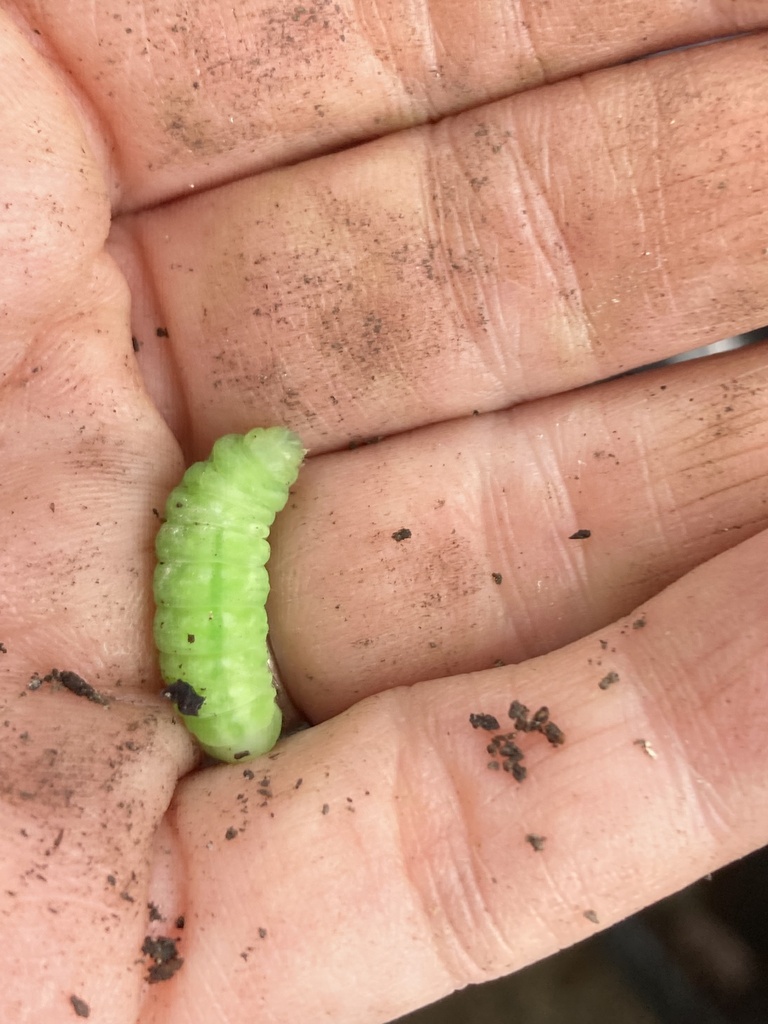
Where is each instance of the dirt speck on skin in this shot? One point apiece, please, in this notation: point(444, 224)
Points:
point(554, 734)
point(581, 535)
point(3, 648)
point(70, 681)
point(402, 534)
point(608, 680)
point(592, 916)
point(536, 841)
point(231, 833)
point(326, 808)
point(497, 578)
point(481, 721)
point(507, 754)
point(164, 952)
point(81, 1008)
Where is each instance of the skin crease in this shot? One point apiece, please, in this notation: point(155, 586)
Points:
point(389, 289)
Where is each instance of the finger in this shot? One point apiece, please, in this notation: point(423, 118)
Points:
point(225, 90)
point(380, 847)
point(665, 470)
point(523, 249)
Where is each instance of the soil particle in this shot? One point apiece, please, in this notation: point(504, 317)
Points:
point(81, 1008)
point(507, 753)
point(608, 680)
point(481, 721)
point(70, 681)
point(554, 734)
point(536, 841)
point(185, 697)
point(166, 958)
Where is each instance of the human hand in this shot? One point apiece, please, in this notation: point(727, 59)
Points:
point(491, 263)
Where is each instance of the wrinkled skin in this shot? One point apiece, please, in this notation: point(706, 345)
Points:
point(539, 211)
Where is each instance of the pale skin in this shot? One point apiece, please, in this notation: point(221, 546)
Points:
point(491, 264)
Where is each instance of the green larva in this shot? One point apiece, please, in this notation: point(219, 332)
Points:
point(211, 588)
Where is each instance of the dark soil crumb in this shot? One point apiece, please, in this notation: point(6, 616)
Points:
point(481, 721)
point(81, 1008)
point(231, 833)
point(609, 680)
point(554, 734)
point(154, 912)
point(326, 808)
point(162, 332)
point(298, 783)
point(262, 933)
point(165, 954)
point(540, 718)
point(639, 623)
point(248, 774)
point(518, 771)
point(536, 841)
point(185, 697)
point(496, 577)
point(70, 681)
point(519, 714)
point(35, 682)
point(581, 535)
point(240, 755)
point(135, 342)
point(3, 648)
point(402, 534)
point(592, 916)
point(180, 922)
point(503, 747)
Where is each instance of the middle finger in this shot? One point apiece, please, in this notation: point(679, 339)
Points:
point(451, 548)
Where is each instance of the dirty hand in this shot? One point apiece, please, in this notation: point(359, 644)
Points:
point(448, 289)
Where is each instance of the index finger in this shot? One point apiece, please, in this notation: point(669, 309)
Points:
point(531, 246)
point(217, 91)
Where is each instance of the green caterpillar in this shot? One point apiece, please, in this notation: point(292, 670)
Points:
point(211, 587)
